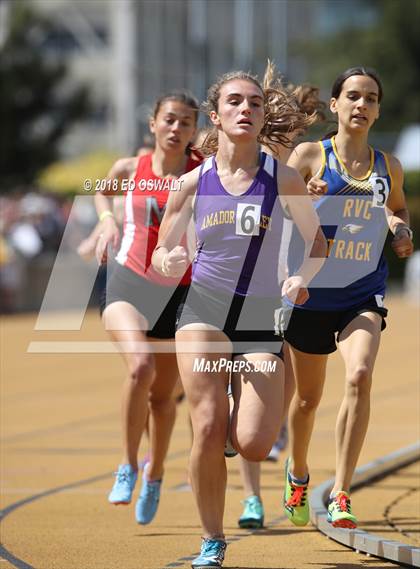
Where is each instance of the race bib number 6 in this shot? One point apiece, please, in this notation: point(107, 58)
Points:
point(380, 191)
point(248, 219)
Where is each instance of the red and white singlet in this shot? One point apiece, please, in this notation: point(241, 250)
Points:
point(144, 207)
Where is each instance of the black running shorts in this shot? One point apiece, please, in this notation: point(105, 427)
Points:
point(158, 304)
point(247, 321)
point(318, 331)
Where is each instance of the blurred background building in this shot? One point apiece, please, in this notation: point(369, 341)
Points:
point(79, 78)
point(128, 51)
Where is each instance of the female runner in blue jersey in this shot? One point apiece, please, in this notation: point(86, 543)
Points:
point(364, 198)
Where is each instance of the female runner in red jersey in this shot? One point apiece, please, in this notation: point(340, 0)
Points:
point(140, 305)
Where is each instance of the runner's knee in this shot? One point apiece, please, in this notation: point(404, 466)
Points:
point(308, 403)
point(141, 368)
point(210, 433)
point(359, 381)
point(255, 451)
point(162, 404)
point(254, 445)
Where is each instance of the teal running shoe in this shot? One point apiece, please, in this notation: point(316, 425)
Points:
point(125, 481)
point(253, 514)
point(212, 554)
point(148, 500)
point(230, 452)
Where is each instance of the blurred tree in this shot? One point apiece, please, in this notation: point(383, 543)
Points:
point(37, 102)
point(391, 45)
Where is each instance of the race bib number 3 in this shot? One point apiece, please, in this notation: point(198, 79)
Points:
point(248, 218)
point(380, 191)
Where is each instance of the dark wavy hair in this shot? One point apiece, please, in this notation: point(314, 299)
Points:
point(366, 71)
point(184, 97)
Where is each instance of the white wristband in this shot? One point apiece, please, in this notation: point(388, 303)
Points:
point(404, 228)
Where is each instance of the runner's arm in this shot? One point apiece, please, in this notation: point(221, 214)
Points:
point(109, 233)
point(169, 258)
point(299, 204)
point(397, 212)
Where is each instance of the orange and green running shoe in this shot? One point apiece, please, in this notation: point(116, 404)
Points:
point(339, 511)
point(296, 504)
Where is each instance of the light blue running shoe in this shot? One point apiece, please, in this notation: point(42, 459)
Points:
point(212, 554)
point(148, 500)
point(253, 514)
point(125, 481)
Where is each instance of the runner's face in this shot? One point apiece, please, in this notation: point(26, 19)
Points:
point(357, 105)
point(174, 126)
point(240, 111)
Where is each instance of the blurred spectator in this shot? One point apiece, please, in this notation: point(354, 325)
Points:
point(10, 277)
point(412, 278)
point(31, 231)
point(43, 214)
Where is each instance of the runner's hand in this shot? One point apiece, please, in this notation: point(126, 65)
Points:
point(295, 290)
point(109, 236)
point(317, 188)
point(402, 244)
point(175, 263)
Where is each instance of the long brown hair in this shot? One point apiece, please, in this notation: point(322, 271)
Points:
point(305, 97)
point(281, 113)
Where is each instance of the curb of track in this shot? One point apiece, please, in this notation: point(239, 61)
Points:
point(359, 540)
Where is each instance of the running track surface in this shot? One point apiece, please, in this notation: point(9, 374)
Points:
point(61, 441)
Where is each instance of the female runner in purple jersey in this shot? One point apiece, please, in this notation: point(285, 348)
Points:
point(234, 197)
point(365, 186)
point(306, 98)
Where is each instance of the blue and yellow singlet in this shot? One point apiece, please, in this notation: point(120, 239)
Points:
point(353, 218)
